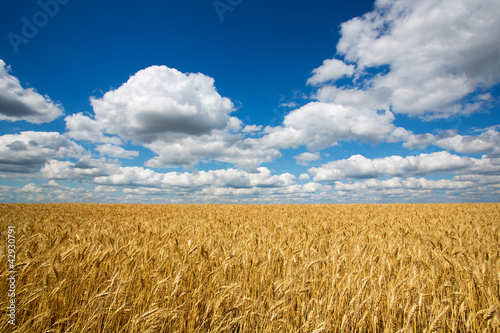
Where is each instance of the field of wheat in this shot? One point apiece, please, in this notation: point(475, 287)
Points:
point(246, 268)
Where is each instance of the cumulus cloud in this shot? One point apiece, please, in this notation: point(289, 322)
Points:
point(223, 185)
point(233, 178)
point(418, 190)
point(304, 176)
point(116, 151)
point(18, 103)
point(55, 169)
point(55, 192)
point(305, 158)
point(82, 127)
point(358, 166)
point(479, 179)
point(27, 151)
point(363, 99)
point(319, 125)
point(331, 69)
point(417, 141)
point(487, 142)
point(161, 103)
point(251, 128)
point(423, 58)
point(85, 167)
point(408, 183)
point(294, 193)
point(180, 117)
point(220, 146)
point(414, 57)
point(139, 184)
point(432, 54)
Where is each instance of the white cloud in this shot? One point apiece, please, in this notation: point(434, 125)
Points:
point(55, 169)
point(231, 185)
point(18, 103)
point(427, 56)
point(230, 178)
point(180, 117)
point(331, 69)
point(483, 166)
point(435, 53)
point(293, 193)
point(313, 187)
point(160, 104)
point(409, 183)
point(358, 98)
point(486, 142)
point(137, 184)
point(479, 179)
point(81, 127)
point(115, 151)
point(131, 176)
point(54, 192)
point(305, 158)
point(86, 167)
point(220, 146)
point(251, 128)
point(304, 176)
point(422, 58)
point(419, 190)
point(288, 105)
point(358, 166)
point(319, 125)
point(27, 151)
point(417, 141)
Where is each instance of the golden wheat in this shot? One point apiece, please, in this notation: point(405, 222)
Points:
point(245, 268)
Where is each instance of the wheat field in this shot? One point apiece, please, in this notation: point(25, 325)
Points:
point(253, 268)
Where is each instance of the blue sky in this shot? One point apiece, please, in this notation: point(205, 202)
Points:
point(236, 101)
